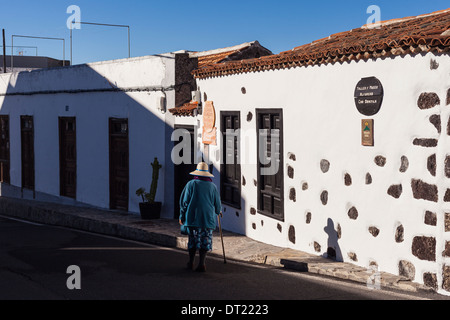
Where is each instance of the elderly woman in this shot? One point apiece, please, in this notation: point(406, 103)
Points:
point(199, 205)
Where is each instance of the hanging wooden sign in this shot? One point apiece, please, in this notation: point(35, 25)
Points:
point(209, 131)
point(209, 116)
point(209, 137)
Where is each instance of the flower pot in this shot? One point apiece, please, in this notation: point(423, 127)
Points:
point(150, 211)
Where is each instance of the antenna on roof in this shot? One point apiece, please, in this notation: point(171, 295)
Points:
point(4, 52)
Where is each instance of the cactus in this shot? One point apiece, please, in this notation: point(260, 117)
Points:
point(150, 196)
point(156, 166)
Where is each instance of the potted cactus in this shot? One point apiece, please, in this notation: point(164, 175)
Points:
point(149, 208)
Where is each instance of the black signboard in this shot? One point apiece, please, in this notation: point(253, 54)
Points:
point(369, 96)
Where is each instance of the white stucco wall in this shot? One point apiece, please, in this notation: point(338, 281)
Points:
point(92, 111)
point(321, 122)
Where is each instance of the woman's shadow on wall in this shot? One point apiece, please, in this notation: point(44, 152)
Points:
point(333, 249)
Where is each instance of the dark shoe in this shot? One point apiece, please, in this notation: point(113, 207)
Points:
point(190, 266)
point(201, 269)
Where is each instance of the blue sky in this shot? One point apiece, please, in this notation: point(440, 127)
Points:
point(164, 26)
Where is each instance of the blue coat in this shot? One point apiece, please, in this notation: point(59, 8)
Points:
point(199, 204)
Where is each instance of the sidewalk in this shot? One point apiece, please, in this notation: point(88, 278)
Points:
point(166, 233)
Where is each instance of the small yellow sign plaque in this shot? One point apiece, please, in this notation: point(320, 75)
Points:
point(367, 133)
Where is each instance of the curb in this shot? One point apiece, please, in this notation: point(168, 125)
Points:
point(239, 248)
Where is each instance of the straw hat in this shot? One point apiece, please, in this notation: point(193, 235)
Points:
point(202, 170)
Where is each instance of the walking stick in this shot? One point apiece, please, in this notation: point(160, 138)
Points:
point(221, 237)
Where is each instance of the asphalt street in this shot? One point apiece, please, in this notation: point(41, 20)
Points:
point(34, 262)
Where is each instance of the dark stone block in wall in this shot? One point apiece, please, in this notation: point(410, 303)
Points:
point(348, 180)
point(435, 120)
point(324, 197)
point(279, 227)
point(291, 234)
point(447, 166)
point(447, 222)
point(308, 217)
point(399, 234)
point(290, 172)
point(292, 195)
point(448, 96)
point(324, 165)
point(434, 65)
point(317, 247)
point(427, 143)
point(448, 127)
point(446, 252)
point(404, 164)
point(406, 269)
point(430, 280)
point(368, 178)
point(395, 191)
point(447, 196)
point(254, 226)
point(424, 248)
point(428, 100)
point(353, 213)
point(425, 191)
point(305, 186)
point(244, 182)
point(446, 278)
point(380, 161)
point(374, 231)
point(339, 231)
point(430, 218)
point(249, 117)
point(291, 156)
point(431, 165)
point(352, 256)
point(252, 211)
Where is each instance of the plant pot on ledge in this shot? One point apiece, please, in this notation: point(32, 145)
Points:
point(150, 211)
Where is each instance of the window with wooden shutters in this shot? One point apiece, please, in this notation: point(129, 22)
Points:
point(4, 149)
point(230, 170)
point(270, 163)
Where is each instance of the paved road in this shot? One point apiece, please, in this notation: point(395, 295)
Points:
point(34, 261)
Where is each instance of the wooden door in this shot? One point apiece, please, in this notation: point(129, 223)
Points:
point(181, 171)
point(118, 164)
point(67, 157)
point(4, 149)
point(27, 139)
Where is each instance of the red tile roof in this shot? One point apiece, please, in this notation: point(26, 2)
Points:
point(245, 50)
point(187, 110)
point(214, 58)
point(411, 35)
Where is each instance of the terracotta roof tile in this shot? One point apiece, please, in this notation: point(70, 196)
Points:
point(411, 35)
point(239, 52)
point(214, 58)
point(186, 110)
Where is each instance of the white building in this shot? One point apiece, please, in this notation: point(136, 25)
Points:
point(381, 201)
point(376, 196)
point(87, 134)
